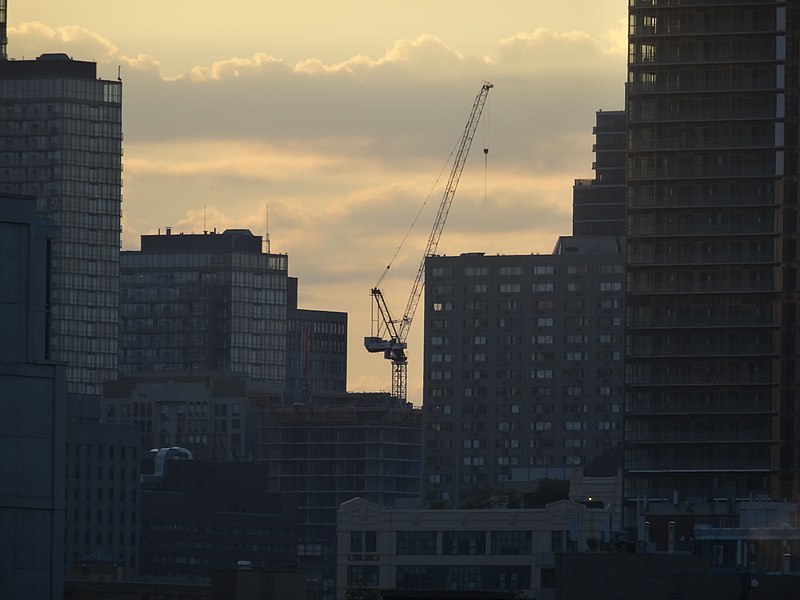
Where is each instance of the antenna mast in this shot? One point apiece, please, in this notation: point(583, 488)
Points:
point(266, 229)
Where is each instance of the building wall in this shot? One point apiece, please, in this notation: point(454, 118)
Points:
point(32, 403)
point(330, 451)
point(598, 205)
point(201, 517)
point(316, 351)
point(712, 250)
point(204, 302)
point(102, 491)
point(210, 414)
point(511, 550)
point(523, 367)
point(61, 141)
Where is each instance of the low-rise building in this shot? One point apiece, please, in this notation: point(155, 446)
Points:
point(490, 550)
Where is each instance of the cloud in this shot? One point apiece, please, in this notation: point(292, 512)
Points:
point(344, 153)
point(34, 38)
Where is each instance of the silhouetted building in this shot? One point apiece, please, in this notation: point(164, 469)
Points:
point(712, 348)
point(61, 141)
point(204, 302)
point(336, 448)
point(210, 414)
point(598, 205)
point(32, 404)
point(102, 490)
point(316, 351)
point(198, 517)
point(523, 367)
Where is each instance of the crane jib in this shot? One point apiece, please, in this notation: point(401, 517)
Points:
point(383, 323)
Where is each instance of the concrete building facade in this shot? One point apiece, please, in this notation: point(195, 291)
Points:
point(523, 367)
point(461, 550)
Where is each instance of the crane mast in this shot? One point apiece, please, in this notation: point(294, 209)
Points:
point(396, 331)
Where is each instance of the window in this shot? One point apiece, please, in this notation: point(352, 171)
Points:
point(544, 305)
point(476, 288)
point(577, 269)
point(542, 339)
point(476, 271)
point(542, 426)
point(543, 270)
point(576, 286)
point(441, 306)
point(416, 543)
point(576, 338)
point(511, 543)
point(362, 575)
point(544, 321)
point(510, 288)
point(473, 461)
point(610, 286)
point(463, 542)
point(363, 541)
point(609, 269)
point(575, 356)
point(472, 443)
point(542, 287)
point(510, 271)
point(574, 425)
point(542, 374)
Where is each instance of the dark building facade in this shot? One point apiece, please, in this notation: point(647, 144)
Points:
point(204, 302)
point(338, 447)
point(712, 105)
point(523, 367)
point(201, 517)
point(32, 409)
point(102, 510)
point(210, 414)
point(316, 351)
point(61, 141)
point(598, 205)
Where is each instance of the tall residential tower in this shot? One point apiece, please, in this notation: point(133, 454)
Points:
point(712, 220)
point(61, 142)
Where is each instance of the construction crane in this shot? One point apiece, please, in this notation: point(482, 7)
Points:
point(388, 334)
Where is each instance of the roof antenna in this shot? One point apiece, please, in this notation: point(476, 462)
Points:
point(266, 234)
point(205, 229)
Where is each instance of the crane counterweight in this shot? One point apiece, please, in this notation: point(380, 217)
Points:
point(389, 335)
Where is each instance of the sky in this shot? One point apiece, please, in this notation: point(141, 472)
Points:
point(337, 119)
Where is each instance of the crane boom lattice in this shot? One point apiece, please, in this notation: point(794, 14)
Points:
point(394, 347)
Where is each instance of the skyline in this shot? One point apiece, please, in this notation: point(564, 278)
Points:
point(343, 131)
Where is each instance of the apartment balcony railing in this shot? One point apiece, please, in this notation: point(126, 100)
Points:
point(693, 406)
point(730, 436)
point(699, 464)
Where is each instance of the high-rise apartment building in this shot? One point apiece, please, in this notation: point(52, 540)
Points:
point(523, 367)
point(712, 221)
point(204, 302)
point(316, 351)
point(61, 142)
point(598, 205)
